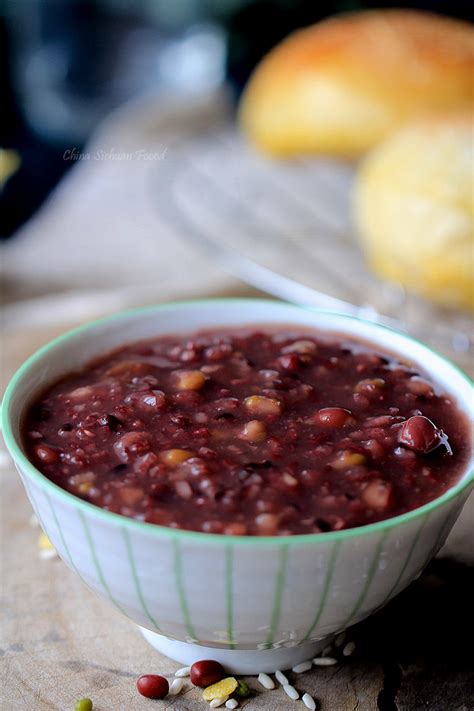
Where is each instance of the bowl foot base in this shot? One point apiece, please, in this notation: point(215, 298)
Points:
point(236, 661)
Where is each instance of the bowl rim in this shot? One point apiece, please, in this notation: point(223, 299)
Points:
point(153, 529)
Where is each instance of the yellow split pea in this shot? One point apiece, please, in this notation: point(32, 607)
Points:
point(189, 379)
point(172, 457)
point(261, 405)
point(221, 690)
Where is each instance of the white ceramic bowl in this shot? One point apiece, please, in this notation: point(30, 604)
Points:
point(259, 603)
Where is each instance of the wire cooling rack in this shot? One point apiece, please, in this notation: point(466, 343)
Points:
point(285, 227)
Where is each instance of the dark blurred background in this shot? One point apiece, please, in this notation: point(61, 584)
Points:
point(65, 64)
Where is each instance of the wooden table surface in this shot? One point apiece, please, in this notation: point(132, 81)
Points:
point(59, 642)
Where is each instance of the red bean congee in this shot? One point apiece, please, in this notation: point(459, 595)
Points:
point(250, 432)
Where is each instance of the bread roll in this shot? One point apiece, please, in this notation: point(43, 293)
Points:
point(342, 85)
point(414, 208)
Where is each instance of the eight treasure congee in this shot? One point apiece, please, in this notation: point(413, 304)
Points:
point(260, 431)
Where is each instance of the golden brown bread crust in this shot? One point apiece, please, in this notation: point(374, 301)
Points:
point(414, 208)
point(343, 84)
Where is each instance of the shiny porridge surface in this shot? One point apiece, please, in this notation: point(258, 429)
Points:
point(255, 431)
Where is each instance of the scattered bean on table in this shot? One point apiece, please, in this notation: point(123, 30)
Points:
point(206, 672)
point(153, 686)
point(84, 705)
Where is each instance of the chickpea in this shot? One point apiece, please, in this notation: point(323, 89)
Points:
point(254, 431)
point(173, 457)
point(189, 379)
point(346, 460)
point(260, 405)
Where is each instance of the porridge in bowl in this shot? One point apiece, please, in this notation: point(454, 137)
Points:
point(258, 431)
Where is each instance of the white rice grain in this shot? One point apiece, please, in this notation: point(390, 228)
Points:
point(303, 667)
point(309, 702)
point(291, 692)
point(48, 554)
point(327, 651)
point(215, 703)
point(349, 649)
point(176, 686)
point(340, 639)
point(231, 704)
point(184, 671)
point(266, 681)
point(324, 661)
point(281, 678)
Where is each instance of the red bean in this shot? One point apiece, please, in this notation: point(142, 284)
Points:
point(45, 454)
point(215, 353)
point(110, 421)
point(407, 456)
point(149, 401)
point(333, 417)
point(132, 445)
point(361, 400)
point(206, 672)
point(420, 434)
point(153, 686)
point(188, 398)
point(290, 362)
point(375, 449)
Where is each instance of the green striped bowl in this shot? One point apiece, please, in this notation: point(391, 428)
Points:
point(231, 593)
